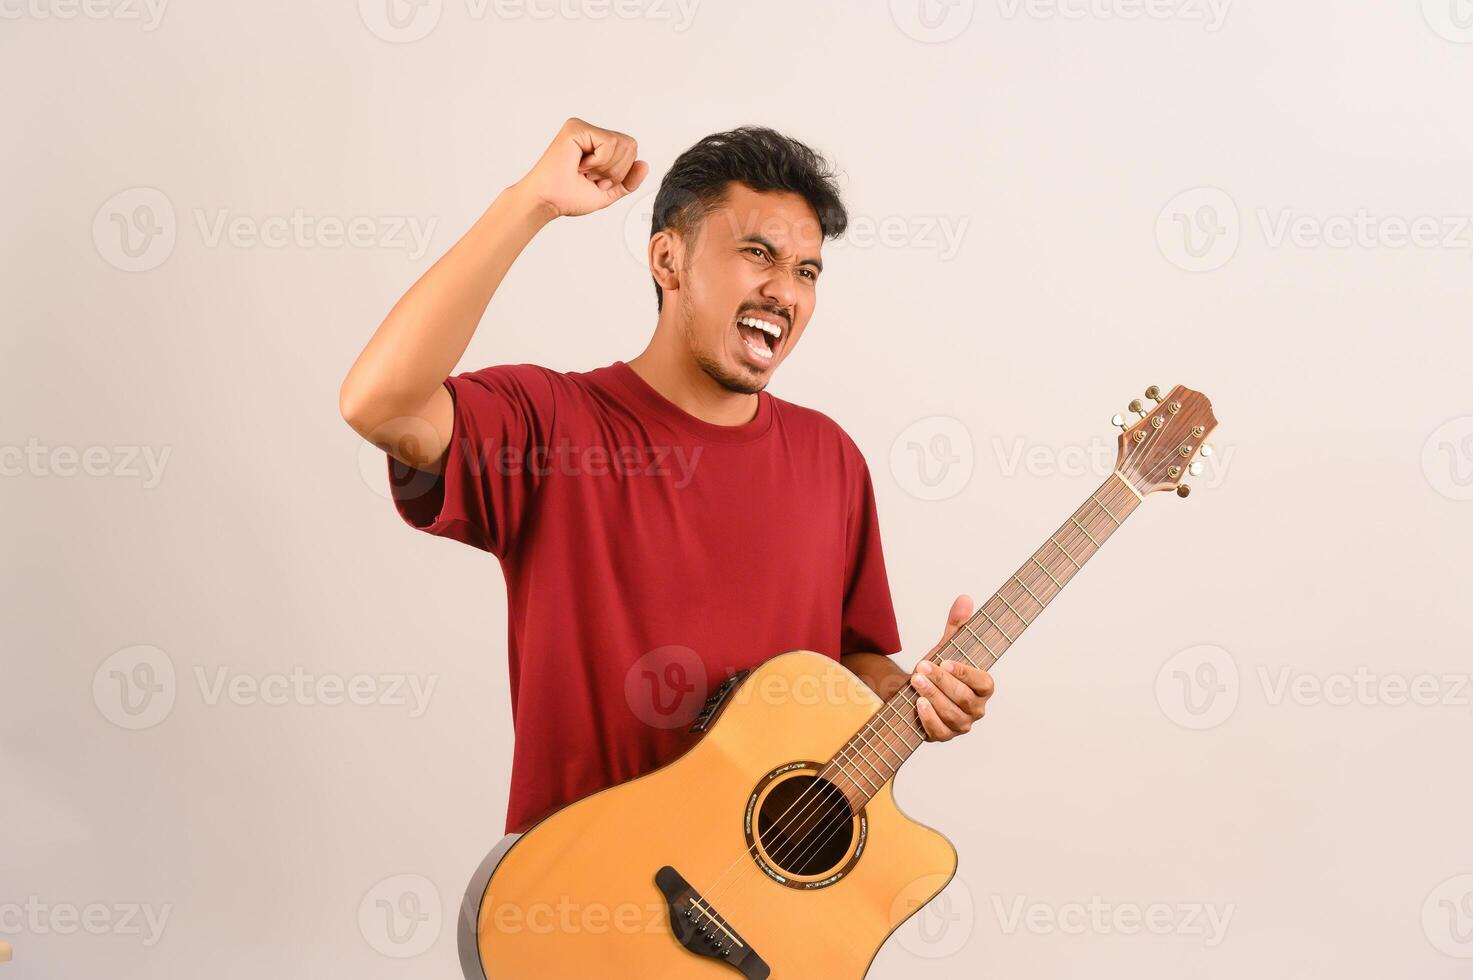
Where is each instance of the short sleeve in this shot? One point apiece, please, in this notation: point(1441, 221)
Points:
point(488, 484)
point(869, 614)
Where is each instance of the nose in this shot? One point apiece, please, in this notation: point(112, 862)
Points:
point(779, 289)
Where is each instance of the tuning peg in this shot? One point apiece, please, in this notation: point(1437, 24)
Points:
point(1154, 393)
point(1118, 420)
point(1183, 490)
point(1195, 469)
point(1136, 407)
point(1206, 449)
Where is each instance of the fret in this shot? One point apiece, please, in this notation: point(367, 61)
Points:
point(883, 769)
point(874, 768)
point(859, 791)
point(1105, 509)
point(1086, 533)
point(1029, 591)
point(968, 627)
point(838, 763)
point(1015, 612)
point(1128, 485)
point(1004, 632)
point(907, 725)
point(1056, 544)
point(913, 719)
point(903, 739)
point(959, 650)
point(837, 758)
point(1047, 572)
point(899, 756)
point(894, 732)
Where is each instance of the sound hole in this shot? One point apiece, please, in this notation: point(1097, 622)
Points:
point(805, 825)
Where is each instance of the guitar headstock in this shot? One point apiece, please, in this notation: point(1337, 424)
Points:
point(1164, 444)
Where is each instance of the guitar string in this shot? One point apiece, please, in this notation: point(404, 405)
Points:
point(975, 641)
point(907, 698)
point(911, 696)
point(833, 821)
point(830, 821)
point(1067, 528)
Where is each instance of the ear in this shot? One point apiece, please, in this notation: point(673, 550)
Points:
point(666, 252)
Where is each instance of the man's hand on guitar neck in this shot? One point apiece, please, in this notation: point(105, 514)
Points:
point(953, 696)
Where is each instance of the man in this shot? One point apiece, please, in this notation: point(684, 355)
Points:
point(660, 523)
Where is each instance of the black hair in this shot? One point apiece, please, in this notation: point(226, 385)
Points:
point(763, 159)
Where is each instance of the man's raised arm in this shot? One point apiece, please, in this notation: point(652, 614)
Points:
point(394, 394)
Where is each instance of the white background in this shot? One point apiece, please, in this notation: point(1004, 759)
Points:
point(1221, 198)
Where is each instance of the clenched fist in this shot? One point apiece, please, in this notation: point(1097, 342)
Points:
point(585, 169)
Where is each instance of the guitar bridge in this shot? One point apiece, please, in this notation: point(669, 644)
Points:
point(701, 929)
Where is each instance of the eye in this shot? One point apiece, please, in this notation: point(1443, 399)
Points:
point(757, 250)
point(812, 276)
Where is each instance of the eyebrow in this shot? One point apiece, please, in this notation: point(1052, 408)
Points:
point(815, 261)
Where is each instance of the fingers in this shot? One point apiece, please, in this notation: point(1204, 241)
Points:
point(608, 157)
point(978, 682)
point(961, 611)
point(616, 176)
point(968, 704)
point(586, 168)
point(953, 697)
point(603, 163)
point(928, 680)
point(936, 729)
point(636, 176)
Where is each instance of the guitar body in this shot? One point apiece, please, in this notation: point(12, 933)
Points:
point(577, 896)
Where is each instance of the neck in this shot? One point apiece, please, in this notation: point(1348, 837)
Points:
point(877, 750)
point(667, 366)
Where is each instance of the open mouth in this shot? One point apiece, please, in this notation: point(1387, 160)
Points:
point(761, 336)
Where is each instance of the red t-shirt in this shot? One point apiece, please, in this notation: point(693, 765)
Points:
point(648, 555)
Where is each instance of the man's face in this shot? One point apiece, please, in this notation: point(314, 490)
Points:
point(749, 285)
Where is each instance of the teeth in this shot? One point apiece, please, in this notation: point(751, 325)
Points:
point(771, 329)
point(757, 349)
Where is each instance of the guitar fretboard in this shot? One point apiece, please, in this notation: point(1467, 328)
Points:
point(878, 749)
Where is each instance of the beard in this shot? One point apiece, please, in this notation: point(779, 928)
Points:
point(741, 383)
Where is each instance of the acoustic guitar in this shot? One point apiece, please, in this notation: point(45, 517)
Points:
point(774, 847)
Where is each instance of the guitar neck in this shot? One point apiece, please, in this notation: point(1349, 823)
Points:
point(877, 751)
